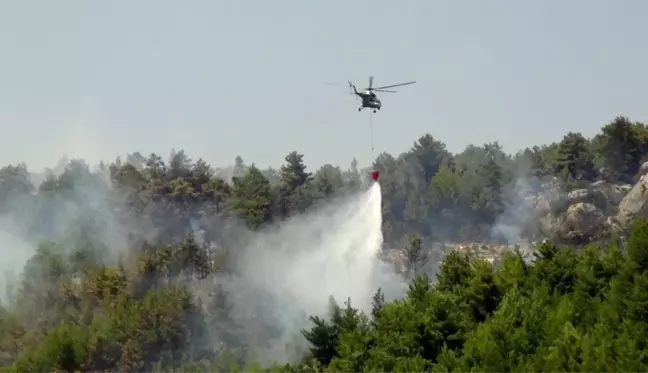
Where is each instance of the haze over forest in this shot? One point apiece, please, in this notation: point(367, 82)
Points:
point(146, 263)
point(508, 230)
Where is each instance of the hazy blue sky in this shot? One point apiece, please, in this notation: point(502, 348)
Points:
point(224, 78)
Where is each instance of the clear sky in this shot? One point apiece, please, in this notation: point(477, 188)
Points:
point(221, 78)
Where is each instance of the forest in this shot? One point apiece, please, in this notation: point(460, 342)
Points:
point(128, 265)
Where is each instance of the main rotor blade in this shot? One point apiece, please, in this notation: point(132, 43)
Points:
point(395, 85)
point(383, 90)
point(370, 82)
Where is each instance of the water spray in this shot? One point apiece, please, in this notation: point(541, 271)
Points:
point(331, 250)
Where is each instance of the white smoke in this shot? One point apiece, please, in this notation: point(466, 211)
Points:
point(329, 251)
point(333, 250)
point(15, 253)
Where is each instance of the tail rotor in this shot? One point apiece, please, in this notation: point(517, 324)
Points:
point(353, 91)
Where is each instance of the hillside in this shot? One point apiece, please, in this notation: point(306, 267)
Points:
point(128, 265)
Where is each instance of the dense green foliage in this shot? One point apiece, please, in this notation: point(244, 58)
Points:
point(124, 274)
point(564, 312)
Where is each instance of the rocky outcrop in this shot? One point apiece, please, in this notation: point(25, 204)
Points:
point(437, 251)
point(580, 215)
point(634, 204)
point(642, 171)
point(582, 222)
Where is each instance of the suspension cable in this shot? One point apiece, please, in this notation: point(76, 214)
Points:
point(371, 131)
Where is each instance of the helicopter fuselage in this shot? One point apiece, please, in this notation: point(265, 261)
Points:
point(369, 100)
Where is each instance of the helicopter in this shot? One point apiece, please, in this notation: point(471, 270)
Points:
point(369, 98)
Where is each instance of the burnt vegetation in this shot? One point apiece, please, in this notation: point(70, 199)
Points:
point(126, 258)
